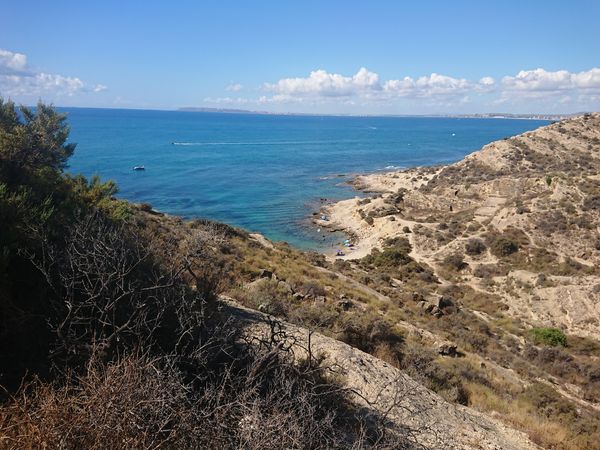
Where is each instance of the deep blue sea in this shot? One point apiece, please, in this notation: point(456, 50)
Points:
point(265, 173)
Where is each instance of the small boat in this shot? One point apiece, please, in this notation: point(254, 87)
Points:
point(139, 168)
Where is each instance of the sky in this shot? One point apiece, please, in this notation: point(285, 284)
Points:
point(327, 56)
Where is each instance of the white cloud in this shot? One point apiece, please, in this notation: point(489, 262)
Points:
point(12, 62)
point(550, 90)
point(428, 86)
point(234, 87)
point(321, 85)
point(325, 84)
point(17, 79)
point(39, 84)
point(541, 80)
point(487, 81)
point(588, 80)
point(536, 90)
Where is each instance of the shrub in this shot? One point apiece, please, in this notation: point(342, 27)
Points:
point(455, 261)
point(146, 207)
point(549, 336)
point(311, 289)
point(552, 221)
point(591, 202)
point(485, 271)
point(393, 255)
point(232, 396)
point(475, 246)
point(399, 243)
point(420, 363)
point(503, 246)
point(266, 295)
point(548, 402)
point(367, 331)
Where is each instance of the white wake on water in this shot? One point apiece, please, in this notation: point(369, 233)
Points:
point(265, 143)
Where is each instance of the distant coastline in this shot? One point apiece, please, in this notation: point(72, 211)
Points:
point(192, 109)
point(525, 116)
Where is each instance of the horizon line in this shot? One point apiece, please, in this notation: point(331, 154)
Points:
point(208, 110)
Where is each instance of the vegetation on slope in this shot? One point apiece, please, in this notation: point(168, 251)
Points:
point(110, 334)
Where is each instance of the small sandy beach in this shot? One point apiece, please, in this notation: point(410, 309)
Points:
point(346, 214)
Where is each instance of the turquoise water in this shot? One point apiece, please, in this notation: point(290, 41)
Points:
point(265, 173)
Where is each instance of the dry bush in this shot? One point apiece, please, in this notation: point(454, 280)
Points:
point(367, 332)
point(550, 222)
point(454, 261)
point(420, 363)
point(591, 202)
point(266, 295)
point(503, 246)
point(113, 291)
point(475, 246)
point(241, 395)
point(132, 403)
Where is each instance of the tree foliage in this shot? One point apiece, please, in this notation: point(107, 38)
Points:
point(39, 206)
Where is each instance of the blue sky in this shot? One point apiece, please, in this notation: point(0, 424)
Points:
point(305, 56)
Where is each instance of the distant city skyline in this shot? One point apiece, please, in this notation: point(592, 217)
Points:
point(313, 57)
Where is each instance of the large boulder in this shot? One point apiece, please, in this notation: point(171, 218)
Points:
point(438, 307)
point(447, 348)
point(264, 273)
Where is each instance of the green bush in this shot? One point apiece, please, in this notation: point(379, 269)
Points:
point(549, 336)
point(391, 257)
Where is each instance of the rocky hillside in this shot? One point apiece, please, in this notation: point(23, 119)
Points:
point(518, 219)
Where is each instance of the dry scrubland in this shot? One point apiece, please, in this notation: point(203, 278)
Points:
point(468, 318)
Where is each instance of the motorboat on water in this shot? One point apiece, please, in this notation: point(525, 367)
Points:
point(139, 168)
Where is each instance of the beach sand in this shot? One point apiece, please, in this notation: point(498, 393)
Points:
point(345, 215)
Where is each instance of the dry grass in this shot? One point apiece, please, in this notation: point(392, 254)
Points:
point(252, 397)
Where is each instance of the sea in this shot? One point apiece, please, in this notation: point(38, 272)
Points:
point(264, 173)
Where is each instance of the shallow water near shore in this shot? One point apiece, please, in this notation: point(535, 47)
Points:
point(265, 173)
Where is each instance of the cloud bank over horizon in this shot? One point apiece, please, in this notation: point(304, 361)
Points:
point(532, 90)
point(539, 89)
